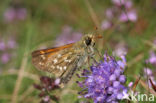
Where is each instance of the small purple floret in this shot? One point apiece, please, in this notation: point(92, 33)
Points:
point(122, 78)
point(112, 77)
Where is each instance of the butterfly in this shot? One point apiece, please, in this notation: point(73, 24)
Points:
point(64, 60)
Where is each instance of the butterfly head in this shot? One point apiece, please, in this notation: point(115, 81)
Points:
point(90, 39)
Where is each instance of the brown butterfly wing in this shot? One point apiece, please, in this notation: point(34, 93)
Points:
point(55, 60)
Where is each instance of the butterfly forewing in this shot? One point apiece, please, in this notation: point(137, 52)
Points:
point(56, 60)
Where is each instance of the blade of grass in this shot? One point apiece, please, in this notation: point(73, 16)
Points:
point(20, 75)
point(148, 42)
point(26, 93)
point(135, 60)
point(19, 79)
point(25, 74)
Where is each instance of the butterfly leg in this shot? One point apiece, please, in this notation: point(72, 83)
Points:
point(88, 61)
point(99, 54)
point(95, 61)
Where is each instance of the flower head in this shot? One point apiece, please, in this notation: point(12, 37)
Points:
point(126, 3)
point(130, 15)
point(13, 13)
point(149, 72)
point(106, 25)
point(46, 86)
point(115, 13)
point(6, 49)
point(5, 58)
point(152, 58)
point(120, 49)
point(2, 45)
point(104, 82)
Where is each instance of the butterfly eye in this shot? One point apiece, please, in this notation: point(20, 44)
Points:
point(88, 41)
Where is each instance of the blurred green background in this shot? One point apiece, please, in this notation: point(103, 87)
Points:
point(27, 25)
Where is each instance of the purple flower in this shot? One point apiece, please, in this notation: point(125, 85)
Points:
point(6, 48)
point(154, 42)
point(104, 82)
point(5, 58)
point(122, 63)
point(130, 15)
point(67, 36)
point(152, 58)
point(128, 4)
point(11, 43)
point(12, 14)
point(148, 72)
point(130, 84)
point(109, 13)
point(106, 25)
point(46, 99)
point(115, 13)
point(120, 49)
point(125, 3)
point(122, 78)
point(9, 14)
point(47, 85)
point(21, 13)
point(118, 2)
point(2, 46)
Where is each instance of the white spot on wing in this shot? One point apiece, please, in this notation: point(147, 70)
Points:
point(40, 63)
point(52, 67)
point(60, 68)
point(57, 67)
point(43, 57)
point(70, 53)
point(59, 55)
point(64, 67)
point(55, 61)
point(67, 60)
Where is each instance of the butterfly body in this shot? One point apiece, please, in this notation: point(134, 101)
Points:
point(63, 61)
